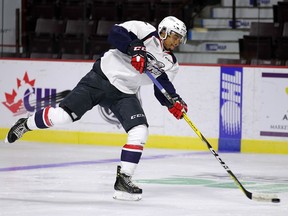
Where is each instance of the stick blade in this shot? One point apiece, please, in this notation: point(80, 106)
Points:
point(266, 198)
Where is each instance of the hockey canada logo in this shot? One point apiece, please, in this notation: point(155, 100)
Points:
point(25, 97)
point(110, 117)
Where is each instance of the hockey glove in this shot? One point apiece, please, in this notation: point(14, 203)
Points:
point(137, 50)
point(178, 109)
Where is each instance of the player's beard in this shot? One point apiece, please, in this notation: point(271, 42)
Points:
point(168, 49)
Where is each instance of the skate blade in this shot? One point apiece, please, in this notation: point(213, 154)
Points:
point(120, 195)
point(6, 140)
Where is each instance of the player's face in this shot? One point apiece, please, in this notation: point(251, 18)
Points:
point(172, 41)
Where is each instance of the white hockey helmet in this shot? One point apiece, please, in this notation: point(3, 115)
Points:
point(172, 24)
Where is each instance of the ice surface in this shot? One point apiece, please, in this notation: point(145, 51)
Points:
point(77, 180)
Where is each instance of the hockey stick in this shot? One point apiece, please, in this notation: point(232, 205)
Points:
point(252, 196)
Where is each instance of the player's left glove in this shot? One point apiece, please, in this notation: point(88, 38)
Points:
point(178, 108)
point(137, 50)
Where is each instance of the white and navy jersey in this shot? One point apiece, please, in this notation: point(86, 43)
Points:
point(116, 63)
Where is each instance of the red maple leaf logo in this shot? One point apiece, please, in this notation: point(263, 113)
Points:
point(14, 101)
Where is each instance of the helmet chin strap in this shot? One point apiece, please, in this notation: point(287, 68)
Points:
point(162, 41)
point(163, 46)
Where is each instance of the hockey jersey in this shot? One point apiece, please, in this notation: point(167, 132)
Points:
point(116, 63)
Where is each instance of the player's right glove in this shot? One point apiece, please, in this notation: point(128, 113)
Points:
point(137, 50)
point(178, 108)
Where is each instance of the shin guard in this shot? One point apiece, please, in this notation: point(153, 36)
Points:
point(48, 117)
point(132, 151)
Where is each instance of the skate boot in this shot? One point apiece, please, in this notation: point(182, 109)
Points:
point(17, 131)
point(125, 189)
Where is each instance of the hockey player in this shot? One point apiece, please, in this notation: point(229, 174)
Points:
point(113, 83)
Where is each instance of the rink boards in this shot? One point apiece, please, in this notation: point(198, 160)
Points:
point(238, 109)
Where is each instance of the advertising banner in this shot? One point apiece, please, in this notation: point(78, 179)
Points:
point(231, 106)
point(230, 127)
point(274, 104)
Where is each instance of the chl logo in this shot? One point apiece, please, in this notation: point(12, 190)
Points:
point(26, 98)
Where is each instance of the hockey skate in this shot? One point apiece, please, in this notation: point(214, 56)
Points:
point(125, 189)
point(17, 131)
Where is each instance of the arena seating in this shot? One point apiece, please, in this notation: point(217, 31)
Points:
point(267, 42)
point(72, 29)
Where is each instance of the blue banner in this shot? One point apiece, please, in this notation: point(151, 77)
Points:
point(230, 128)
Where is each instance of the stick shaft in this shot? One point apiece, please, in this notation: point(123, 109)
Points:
point(200, 135)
